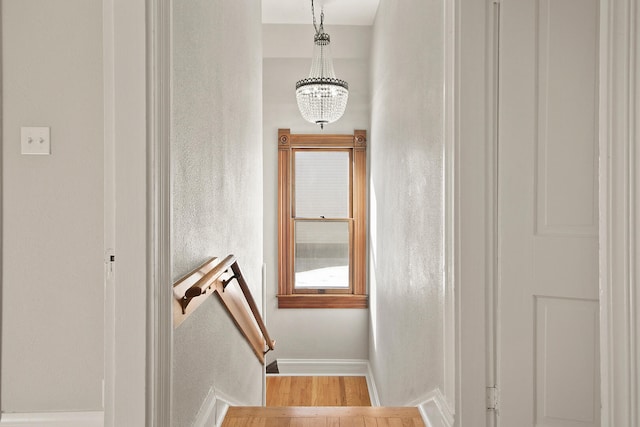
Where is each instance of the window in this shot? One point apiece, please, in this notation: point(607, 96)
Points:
point(321, 220)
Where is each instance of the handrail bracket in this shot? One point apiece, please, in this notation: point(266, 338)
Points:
point(227, 281)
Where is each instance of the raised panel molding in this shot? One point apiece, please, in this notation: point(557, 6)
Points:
point(566, 357)
point(567, 198)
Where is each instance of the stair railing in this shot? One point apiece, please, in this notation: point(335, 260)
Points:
point(218, 277)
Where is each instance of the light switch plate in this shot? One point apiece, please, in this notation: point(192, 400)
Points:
point(35, 140)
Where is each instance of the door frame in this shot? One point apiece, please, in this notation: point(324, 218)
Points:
point(159, 315)
point(462, 291)
point(619, 212)
point(474, 210)
point(138, 328)
point(1, 184)
point(160, 311)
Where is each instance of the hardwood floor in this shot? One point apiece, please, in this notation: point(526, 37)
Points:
point(320, 402)
point(317, 391)
point(322, 417)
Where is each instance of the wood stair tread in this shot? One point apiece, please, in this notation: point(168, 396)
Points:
point(323, 416)
point(323, 411)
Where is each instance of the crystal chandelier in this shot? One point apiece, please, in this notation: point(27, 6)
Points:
point(322, 98)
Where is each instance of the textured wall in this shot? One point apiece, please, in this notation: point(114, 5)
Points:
point(52, 283)
point(406, 200)
point(217, 188)
point(305, 333)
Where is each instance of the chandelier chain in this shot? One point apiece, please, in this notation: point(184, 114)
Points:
point(313, 13)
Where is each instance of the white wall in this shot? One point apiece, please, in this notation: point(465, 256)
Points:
point(52, 277)
point(217, 189)
point(287, 49)
point(406, 200)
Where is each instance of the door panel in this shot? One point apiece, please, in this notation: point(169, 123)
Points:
point(547, 331)
point(567, 190)
point(566, 361)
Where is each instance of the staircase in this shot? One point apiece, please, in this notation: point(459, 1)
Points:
point(297, 416)
point(320, 401)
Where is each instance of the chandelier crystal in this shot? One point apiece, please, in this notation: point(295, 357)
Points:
point(322, 98)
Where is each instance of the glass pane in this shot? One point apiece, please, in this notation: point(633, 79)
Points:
point(322, 255)
point(322, 184)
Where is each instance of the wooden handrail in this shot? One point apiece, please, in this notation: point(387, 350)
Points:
point(204, 283)
point(252, 304)
point(181, 287)
point(215, 277)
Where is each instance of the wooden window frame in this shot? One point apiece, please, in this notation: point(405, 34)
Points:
point(356, 296)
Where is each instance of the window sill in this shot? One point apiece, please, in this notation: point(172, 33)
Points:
point(323, 301)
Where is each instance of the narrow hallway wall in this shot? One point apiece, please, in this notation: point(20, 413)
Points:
point(406, 200)
point(53, 227)
point(217, 189)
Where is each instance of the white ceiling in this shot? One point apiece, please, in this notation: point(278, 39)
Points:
point(337, 12)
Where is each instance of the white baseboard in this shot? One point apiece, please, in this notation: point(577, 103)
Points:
point(331, 367)
point(214, 408)
point(371, 385)
point(223, 402)
point(53, 419)
point(434, 409)
point(221, 412)
point(206, 416)
point(323, 366)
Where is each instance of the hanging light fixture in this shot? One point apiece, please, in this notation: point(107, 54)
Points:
point(322, 98)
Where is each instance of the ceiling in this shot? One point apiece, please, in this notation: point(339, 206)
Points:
point(337, 12)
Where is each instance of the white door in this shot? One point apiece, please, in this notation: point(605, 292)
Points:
point(547, 320)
